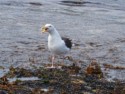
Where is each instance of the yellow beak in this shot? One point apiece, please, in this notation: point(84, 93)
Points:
point(44, 29)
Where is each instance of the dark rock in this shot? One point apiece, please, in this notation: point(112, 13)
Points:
point(3, 92)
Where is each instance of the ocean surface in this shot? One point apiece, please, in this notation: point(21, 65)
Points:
point(96, 27)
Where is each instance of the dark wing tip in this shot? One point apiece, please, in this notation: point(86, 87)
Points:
point(68, 42)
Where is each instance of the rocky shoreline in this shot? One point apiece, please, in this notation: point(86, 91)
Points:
point(65, 80)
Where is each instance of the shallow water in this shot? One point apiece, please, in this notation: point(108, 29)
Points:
point(24, 79)
point(97, 26)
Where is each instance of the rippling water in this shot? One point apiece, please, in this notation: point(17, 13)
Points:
point(98, 26)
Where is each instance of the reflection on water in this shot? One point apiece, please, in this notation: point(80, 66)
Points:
point(97, 26)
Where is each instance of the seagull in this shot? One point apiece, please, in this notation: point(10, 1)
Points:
point(56, 44)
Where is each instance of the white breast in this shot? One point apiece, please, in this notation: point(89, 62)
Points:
point(56, 45)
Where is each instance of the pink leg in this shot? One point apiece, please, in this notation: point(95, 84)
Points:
point(53, 58)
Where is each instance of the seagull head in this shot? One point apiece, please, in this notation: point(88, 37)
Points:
point(48, 28)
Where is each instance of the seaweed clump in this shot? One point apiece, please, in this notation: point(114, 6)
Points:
point(67, 80)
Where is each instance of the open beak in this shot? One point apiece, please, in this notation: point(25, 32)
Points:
point(44, 29)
